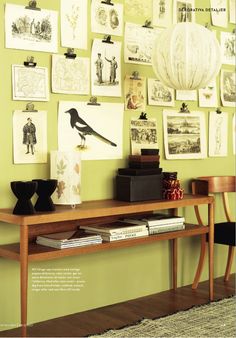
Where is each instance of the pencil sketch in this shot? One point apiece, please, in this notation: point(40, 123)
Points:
point(228, 47)
point(162, 14)
point(218, 131)
point(208, 95)
point(183, 11)
point(159, 94)
point(30, 83)
point(219, 17)
point(184, 135)
point(70, 76)
point(138, 9)
point(30, 136)
point(74, 23)
point(106, 19)
point(228, 88)
point(33, 30)
point(135, 93)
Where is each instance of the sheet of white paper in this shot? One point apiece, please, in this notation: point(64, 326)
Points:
point(183, 11)
point(138, 43)
point(208, 95)
point(234, 133)
point(30, 83)
point(135, 93)
point(232, 11)
point(106, 68)
point(106, 19)
point(219, 13)
point(227, 88)
point(74, 24)
point(30, 142)
point(218, 134)
point(228, 48)
point(138, 9)
point(70, 76)
point(162, 13)
point(184, 135)
point(100, 126)
point(143, 135)
point(186, 95)
point(30, 29)
point(159, 94)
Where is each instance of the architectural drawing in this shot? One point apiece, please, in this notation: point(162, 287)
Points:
point(106, 68)
point(106, 19)
point(30, 83)
point(30, 136)
point(159, 94)
point(70, 76)
point(28, 29)
point(218, 134)
point(74, 23)
point(228, 88)
point(162, 13)
point(98, 140)
point(228, 48)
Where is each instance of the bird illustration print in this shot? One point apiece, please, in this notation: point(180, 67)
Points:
point(84, 129)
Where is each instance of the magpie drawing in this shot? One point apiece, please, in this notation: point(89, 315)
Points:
point(84, 129)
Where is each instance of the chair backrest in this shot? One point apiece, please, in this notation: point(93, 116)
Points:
point(205, 185)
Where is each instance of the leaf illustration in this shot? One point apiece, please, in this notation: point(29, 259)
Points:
point(60, 187)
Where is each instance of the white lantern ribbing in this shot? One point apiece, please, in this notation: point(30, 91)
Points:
point(186, 56)
point(66, 168)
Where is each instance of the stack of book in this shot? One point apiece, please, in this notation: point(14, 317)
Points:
point(159, 223)
point(117, 230)
point(68, 239)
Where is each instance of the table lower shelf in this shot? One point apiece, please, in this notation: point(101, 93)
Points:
point(39, 252)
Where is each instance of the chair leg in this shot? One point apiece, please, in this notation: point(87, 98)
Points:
point(200, 263)
point(229, 263)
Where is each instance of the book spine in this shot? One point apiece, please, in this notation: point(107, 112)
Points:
point(123, 231)
point(159, 230)
point(168, 221)
point(124, 236)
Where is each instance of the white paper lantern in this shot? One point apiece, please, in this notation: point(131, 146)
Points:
point(66, 168)
point(186, 56)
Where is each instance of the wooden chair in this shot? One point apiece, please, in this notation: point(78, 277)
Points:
point(224, 232)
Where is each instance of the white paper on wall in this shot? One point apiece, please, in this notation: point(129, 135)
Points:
point(162, 13)
point(208, 95)
point(218, 134)
point(227, 88)
point(219, 14)
point(228, 48)
point(97, 129)
point(159, 94)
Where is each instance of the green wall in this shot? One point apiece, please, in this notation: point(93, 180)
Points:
point(113, 276)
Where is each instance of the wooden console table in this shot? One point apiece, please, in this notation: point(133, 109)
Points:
point(66, 218)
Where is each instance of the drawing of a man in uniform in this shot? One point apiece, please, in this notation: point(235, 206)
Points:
point(29, 136)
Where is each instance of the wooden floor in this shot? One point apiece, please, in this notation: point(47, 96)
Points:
point(123, 314)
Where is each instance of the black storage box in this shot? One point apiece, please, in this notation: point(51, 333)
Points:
point(138, 188)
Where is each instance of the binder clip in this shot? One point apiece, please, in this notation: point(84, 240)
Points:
point(30, 62)
point(93, 101)
point(107, 2)
point(70, 53)
point(147, 24)
point(30, 108)
point(33, 5)
point(107, 39)
point(135, 76)
point(184, 108)
point(143, 116)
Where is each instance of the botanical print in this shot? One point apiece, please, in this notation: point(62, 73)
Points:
point(30, 137)
point(232, 11)
point(183, 11)
point(74, 23)
point(159, 94)
point(184, 135)
point(208, 95)
point(228, 88)
point(30, 29)
point(219, 16)
point(162, 13)
point(228, 48)
point(135, 93)
point(30, 83)
point(186, 95)
point(87, 128)
point(138, 9)
point(218, 134)
point(70, 76)
point(139, 43)
point(143, 134)
point(106, 68)
point(106, 19)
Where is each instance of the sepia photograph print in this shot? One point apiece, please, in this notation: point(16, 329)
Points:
point(29, 29)
point(159, 94)
point(228, 88)
point(184, 135)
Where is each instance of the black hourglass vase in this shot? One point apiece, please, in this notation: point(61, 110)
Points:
point(23, 190)
point(44, 190)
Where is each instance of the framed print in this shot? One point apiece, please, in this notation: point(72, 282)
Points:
point(184, 135)
point(228, 88)
point(106, 19)
point(135, 93)
point(218, 134)
point(159, 94)
point(162, 13)
point(70, 76)
point(74, 22)
point(30, 83)
point(30, 137)
point(228, 48)
point(183, 11)
point(29, 29)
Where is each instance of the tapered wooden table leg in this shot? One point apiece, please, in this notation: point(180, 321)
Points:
point(211, 249)
point(24, 276)
point(174, 263)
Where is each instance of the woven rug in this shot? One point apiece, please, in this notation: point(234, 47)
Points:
point(217, 319)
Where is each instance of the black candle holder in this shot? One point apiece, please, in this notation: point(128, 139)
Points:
point(44, 190)
point(23, 190)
